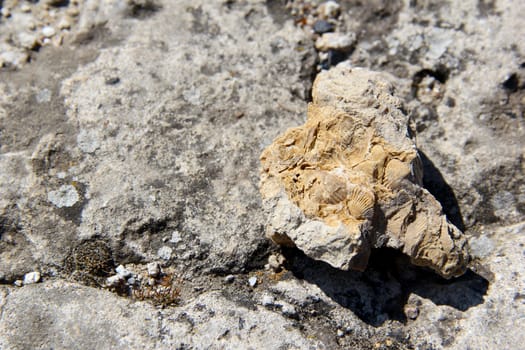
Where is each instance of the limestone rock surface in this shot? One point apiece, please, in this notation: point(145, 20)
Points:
point(350, 179)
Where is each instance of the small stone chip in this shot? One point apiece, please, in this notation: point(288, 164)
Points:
point(32, 277)
point(323, 26)
point(48, 31)
point(229, 279)
point(252, 281)
point(114, 281)
point(288, 310)
point(268, 300)
point(164, 252)
point(154, 269)
point(122, 271)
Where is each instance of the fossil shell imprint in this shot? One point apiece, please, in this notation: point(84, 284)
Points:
point(327, 183)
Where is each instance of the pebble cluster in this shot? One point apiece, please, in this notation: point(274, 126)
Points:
point(147, 282)
point(321, 21)
point(29, 25)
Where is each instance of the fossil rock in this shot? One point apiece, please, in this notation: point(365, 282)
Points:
point(349, 179)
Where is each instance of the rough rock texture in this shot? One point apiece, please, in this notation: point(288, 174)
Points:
point(133, 134)
point(350, 179)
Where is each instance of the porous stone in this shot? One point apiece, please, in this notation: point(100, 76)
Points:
point(350, 179)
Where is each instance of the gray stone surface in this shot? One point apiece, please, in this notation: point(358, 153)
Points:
point(155, 112)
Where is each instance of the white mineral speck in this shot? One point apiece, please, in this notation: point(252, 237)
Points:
point(175, 237)
point(65, 196)
point(252, 281)
point(48, 31)
point(32, 277)
point(114, 281)
point(288, 310)
point(165, 252)
point(122, 271)
point(267, 300)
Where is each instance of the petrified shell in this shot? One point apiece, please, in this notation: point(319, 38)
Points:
point(328, 183)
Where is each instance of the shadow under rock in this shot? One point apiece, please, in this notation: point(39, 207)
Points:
point(434, 182)
point(381, 292)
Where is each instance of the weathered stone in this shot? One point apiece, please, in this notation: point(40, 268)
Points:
point(350, 179)
point(335, 41)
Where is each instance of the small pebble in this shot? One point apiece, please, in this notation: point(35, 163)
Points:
point(288, 310)
point(64, 23)
point(252, 281)
point(268, 300)
point(340, 333)
point(335, 41)
point(32, 277)
point(329, 9)
point(276, 262)
point(122, 271)
point(229, 279)
point(48, 31)
point(29, 41)
point(25, 8)
point(114, 281)
point(175, 237)
point(132, 281)
point(18, 283)
point(5, 12)
point(112, 81)
point(165, 252)
point(321, 26)
point(153, 269)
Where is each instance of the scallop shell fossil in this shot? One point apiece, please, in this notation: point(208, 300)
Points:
point(327, 184)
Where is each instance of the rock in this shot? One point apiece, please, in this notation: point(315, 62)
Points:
point(48, 31)
point(321, 26)
point(329, 9)
point(328, 184)
point(335, 41)
point(122, 271)
point(115, 280)
point(210, 321)
point(287, 309)
point(252, 281)
point(267, 300)
point(204, 87)
point(276, 262)
point(32, 277)
point(153, 269)
point(165, 252)
point(4, 11)
point(28, 40)
point(229, 279)
point(65, 23)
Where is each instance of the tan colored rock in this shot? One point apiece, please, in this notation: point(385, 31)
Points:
point(349, 179)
